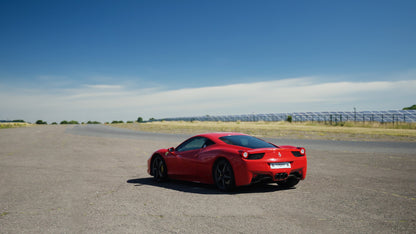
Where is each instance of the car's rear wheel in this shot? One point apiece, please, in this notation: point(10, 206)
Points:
point(159, 169)
point(289, 183)
point(223, 175)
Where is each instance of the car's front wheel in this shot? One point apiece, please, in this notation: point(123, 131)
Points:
point(159, 169)
point(289, 183)
point(223, 175)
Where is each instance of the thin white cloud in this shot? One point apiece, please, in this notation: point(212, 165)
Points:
point(114, 102)
point(104, 86)
point(282, 95)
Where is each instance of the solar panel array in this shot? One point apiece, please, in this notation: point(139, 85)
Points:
point(339, 116)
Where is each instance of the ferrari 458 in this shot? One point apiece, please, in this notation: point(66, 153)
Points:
point(228, 160)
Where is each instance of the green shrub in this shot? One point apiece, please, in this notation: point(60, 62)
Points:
point(289, 119)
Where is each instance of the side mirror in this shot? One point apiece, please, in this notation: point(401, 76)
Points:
point(171, 149)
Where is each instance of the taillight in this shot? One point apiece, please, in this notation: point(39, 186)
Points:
point(299, 153)
point(243, 153)
point(302, 151)
point(246, 155)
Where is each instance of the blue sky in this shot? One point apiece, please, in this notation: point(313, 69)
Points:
point(106, 60)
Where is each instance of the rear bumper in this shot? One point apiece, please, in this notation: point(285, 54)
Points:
point(253, 171)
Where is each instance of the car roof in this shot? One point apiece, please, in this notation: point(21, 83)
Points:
point(217, 135)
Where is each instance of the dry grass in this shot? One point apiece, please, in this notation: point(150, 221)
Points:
point(13, 125)
point(304, 130)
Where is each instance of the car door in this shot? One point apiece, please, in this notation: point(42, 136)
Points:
point(187, 156)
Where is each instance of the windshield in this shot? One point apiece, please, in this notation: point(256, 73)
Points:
point(246, 141)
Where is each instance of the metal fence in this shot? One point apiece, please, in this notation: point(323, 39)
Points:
point(392, 116)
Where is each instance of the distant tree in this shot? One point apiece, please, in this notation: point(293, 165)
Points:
point(54, 123)
point(117, 122)
point(129, 121)
point(69, 122)
point(93, 122)
point(41, 122)
point(18, 121)
point(140, 119)
point(410, 107)
point(289, 119)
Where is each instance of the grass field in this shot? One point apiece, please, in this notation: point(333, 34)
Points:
point(304, 130)
point(349, 131)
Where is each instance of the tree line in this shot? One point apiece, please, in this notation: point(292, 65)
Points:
point(139, 120)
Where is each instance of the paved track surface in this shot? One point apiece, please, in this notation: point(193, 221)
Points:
point(79, 179)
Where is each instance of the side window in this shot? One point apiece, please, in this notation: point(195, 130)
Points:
point(208, 142)
point(194, 143)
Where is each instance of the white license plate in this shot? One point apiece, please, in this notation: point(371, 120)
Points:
point(280, 165)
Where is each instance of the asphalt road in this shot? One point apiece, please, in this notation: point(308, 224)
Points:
point(78, 179)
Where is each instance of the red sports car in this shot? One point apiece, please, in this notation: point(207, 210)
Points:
point(229, 160)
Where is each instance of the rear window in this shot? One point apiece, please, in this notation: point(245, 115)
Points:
point(246, 141)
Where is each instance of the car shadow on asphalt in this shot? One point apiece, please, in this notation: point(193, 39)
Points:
point(198, 188)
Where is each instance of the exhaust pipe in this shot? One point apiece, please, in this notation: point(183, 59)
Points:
point(281, 176)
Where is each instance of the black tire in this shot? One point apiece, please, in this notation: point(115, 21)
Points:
point(289, 183)
point(223, 175)
point(159, 169)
